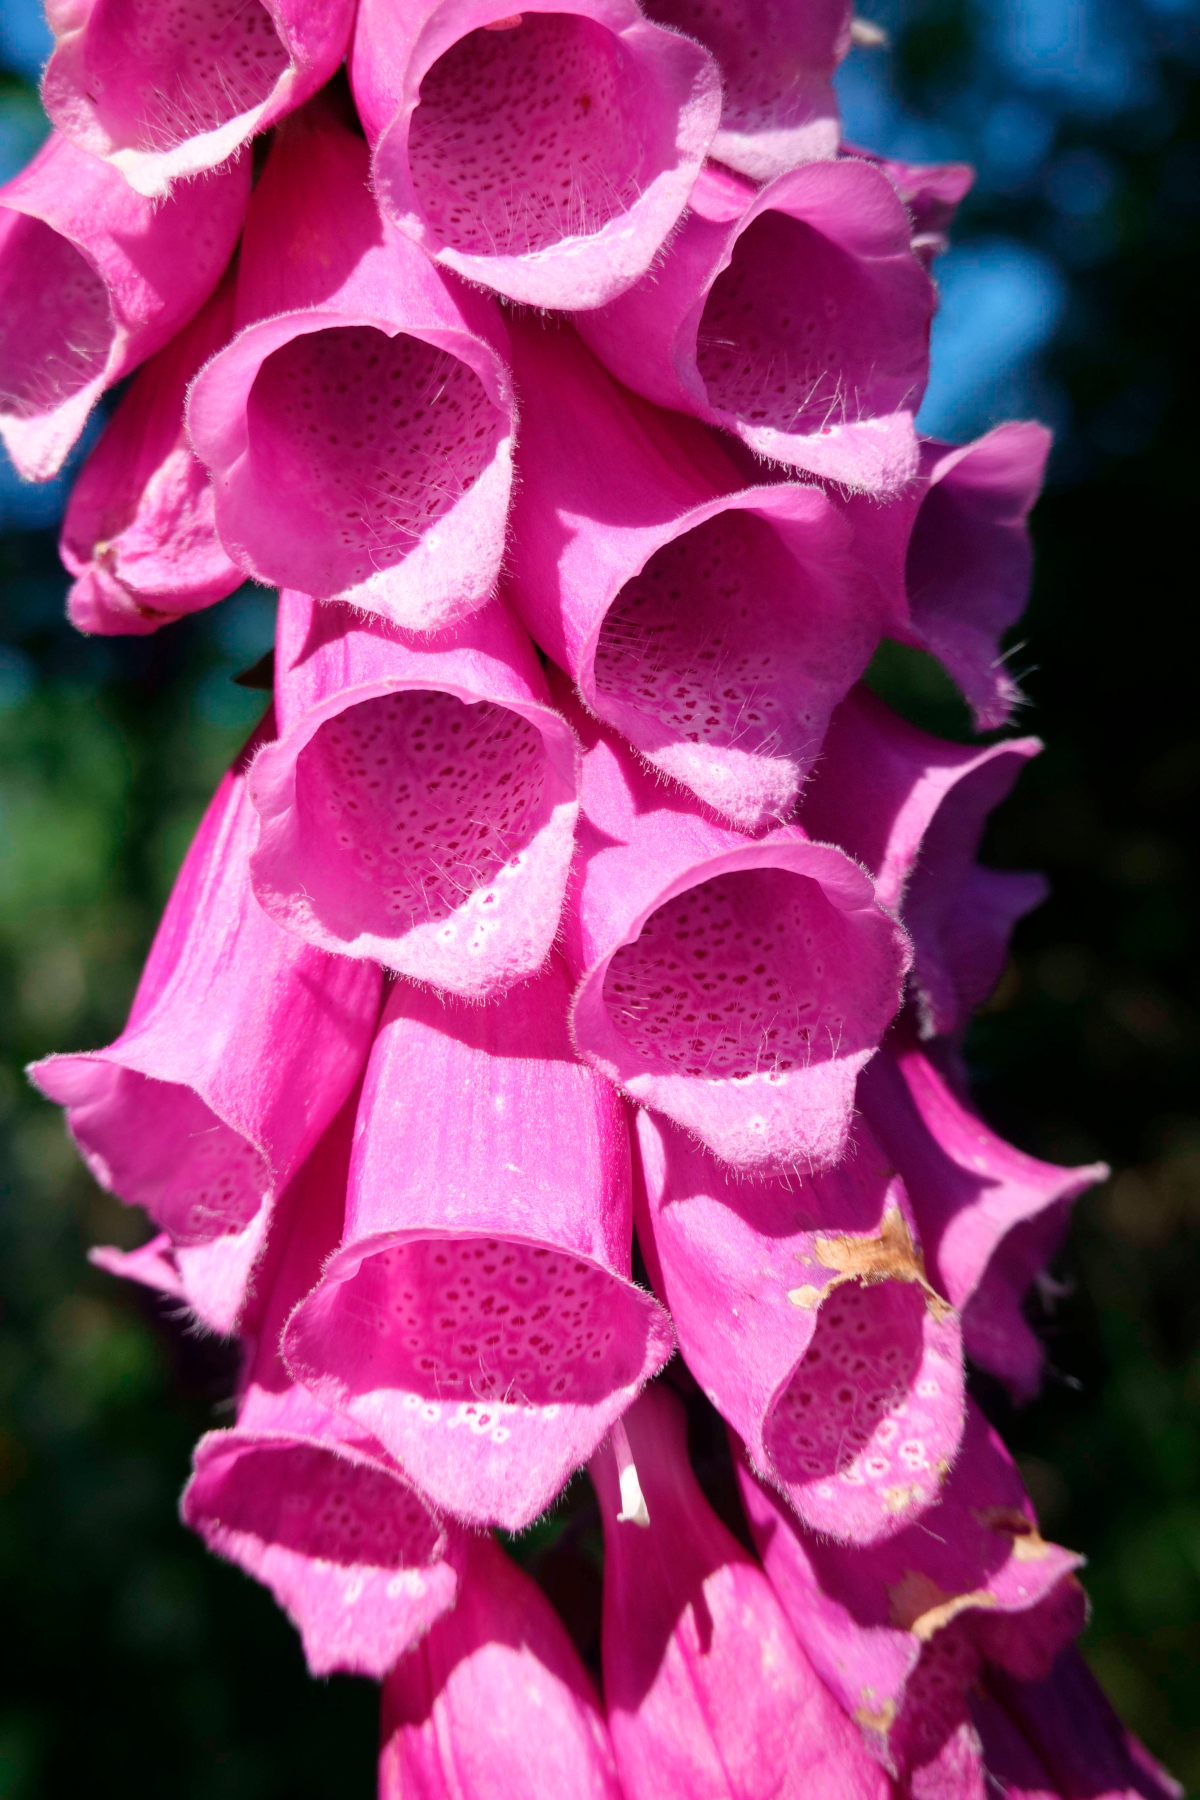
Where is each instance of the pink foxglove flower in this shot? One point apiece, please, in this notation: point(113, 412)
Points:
point(709, 1694)
point(737, 985)
point(303, 1500)
point(165, 91)
point(1059, 1739)
point(140, 534)
point(913, 810)
point(495, 1701)
point(991, 1217)
point(797, 318)
point(241, 1045)
point(805, 1312)
point(777, 58)
point(419, 804)
point(931, 193)
point(546, 154)
point(93, 280)
point(479, 1319)
point(900, 1631)
point(714, 625)
point(358, 429)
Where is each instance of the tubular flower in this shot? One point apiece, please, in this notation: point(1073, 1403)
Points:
point(577, 915)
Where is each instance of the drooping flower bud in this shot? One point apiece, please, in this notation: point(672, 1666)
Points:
point(140, 532)
point(913, 809)
point(241, 1045)
point(164, 91)
point(714, 625)
point(708, 1693)
point(797, 318)
point(358, 429)
point(737, 985)
point(93, 280)
point(546, 154)
point(900, 1630)
point(419, 804)
point(495, 1701)
point(300, 1498)
point(805, 1313)
point(479, 1319)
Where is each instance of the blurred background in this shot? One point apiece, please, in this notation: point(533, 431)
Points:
point(136, 1665)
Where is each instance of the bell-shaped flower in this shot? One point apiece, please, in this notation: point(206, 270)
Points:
point(300, 1498)
point(358, 429)
point(545, 154)
point(804, 1311)
point(93, 280)
point(419, 803)
point(714, 625)
point(737, 985)
point(912, 808)
point(900, 1630)
point(241, 1045)
point(1059, 1739)
point(140, 533)
point(953, 559)
point(777, 61)
point(494, 1701)
point(991, 1217)
point(796, 317)
point(480, 1319)
point(709, 1695)
point(170, 90)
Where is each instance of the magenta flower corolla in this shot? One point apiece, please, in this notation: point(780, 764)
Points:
point(574, 967)
point(169, 90)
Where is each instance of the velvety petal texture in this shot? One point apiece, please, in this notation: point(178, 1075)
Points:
point(736, 985)
point(546, 154)
point(796, 317)
point(93, 280)
point(480, 1319)
point(358, 429)
point(713, 625)
point(900, 1631)
point(140, 533)
point(418, 806)
point(804, 1311)
point(165, 91)
point(495, 1701)
point(299, 1498)
point(777, 60)
point(931, 193)
point(241, 1045)
point(708, 1692)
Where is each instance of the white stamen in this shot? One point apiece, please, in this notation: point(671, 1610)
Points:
point(633, 1504)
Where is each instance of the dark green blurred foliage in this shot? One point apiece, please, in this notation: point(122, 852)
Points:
point(137, 1666)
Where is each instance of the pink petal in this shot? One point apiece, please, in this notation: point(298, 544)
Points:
point(991, 1217)
point(168, 91)
point(358, 430)
point(785, 942)
point(913, 809)
point(93, 280)
point(494, 1701)
point(898, 1631)
point(302, 1500)
point(709, 1695)
point(931, 193)
point(419, 804)
point(479, 1319)
point(715, 625)
point(140, 532)
point(151, 1265)
point(548, 158)
point(241, 1045)
point(777, 58)
point(849, 1397)
point(800, 322)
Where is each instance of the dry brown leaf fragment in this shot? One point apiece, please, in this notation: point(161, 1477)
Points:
point(888, 1255)
point(916, 1603)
